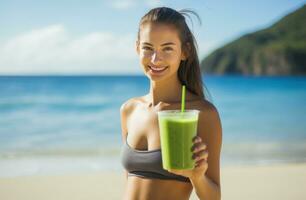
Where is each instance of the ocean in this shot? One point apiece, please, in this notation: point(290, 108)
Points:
point(68, 124)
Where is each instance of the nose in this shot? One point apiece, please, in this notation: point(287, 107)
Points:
point(156, 57)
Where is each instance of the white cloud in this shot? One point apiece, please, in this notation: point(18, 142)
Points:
point(54, 50)
point(126, 4)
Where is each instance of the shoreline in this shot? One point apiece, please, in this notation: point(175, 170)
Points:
point(53, 166)
point(58, 165)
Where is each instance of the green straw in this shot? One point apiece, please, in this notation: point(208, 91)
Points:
point(183, 99)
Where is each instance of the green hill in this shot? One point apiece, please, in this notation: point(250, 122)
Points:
point(276, 50)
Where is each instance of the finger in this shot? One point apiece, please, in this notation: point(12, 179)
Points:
point(201, 160)
point(200, 155)
point(198, 147)
point(196, 139)
point(201, 163)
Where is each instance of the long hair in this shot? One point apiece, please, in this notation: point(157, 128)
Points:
point(189, 72)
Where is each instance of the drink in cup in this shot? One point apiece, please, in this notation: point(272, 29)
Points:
point(177, 129)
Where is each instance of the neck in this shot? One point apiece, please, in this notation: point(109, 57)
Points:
point(166, 91)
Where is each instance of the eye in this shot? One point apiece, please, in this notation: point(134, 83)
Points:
point(168, 49)
point(146, 48)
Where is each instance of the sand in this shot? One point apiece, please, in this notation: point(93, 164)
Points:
point(277, 182)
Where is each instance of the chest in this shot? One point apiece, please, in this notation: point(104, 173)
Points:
point(143, 130)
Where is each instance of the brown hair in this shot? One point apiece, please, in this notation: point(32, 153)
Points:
point(189, 72)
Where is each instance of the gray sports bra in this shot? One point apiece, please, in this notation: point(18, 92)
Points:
point(146, 164)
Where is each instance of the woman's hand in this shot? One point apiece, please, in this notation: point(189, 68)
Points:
point(200, 155)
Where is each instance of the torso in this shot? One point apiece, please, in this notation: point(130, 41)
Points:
point(143, 134)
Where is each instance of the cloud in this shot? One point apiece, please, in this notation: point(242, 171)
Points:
point(127, 4)
point(53, 49)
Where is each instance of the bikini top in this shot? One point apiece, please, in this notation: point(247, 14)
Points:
point(146, 164)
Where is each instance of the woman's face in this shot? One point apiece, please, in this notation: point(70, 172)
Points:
point(159, 50)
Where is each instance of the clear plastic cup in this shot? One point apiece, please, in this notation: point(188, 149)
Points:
point(176, 132)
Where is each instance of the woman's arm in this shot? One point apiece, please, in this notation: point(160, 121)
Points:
point(207, 187)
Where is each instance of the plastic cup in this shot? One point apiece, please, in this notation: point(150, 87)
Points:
point(176, 132)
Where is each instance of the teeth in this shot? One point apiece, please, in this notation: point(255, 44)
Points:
point(157, 69)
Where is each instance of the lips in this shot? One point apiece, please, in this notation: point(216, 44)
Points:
point(157, 69)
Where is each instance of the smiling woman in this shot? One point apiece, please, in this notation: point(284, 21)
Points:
point(168, 57)
point(183, 45)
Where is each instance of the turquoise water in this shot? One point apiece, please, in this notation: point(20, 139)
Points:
point(59, 124)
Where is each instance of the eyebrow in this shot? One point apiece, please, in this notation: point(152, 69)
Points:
point(165, 44)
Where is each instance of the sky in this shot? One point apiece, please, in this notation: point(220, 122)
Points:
point(62, 37)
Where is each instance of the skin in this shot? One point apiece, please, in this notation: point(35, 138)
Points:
point(139, 120)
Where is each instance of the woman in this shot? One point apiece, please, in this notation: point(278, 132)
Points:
point(168, 57)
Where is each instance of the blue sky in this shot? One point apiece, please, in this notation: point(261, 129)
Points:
point(97, 37)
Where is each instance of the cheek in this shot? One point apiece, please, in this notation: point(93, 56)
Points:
point(145, 55)
point(173, 59)
point(170, 57)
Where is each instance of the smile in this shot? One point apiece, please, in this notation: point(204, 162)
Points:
point(157, 69)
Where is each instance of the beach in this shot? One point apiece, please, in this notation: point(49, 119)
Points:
point(56, 142)
point(272, 182)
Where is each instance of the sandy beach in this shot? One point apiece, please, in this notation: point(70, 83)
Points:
point(277, 182)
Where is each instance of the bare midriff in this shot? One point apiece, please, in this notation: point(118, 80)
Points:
point(152, 189)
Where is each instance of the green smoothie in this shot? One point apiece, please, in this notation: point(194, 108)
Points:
point(176, 132)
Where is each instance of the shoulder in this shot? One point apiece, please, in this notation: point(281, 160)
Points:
point(207, 109)
point(209, 120)
point(129, 106)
